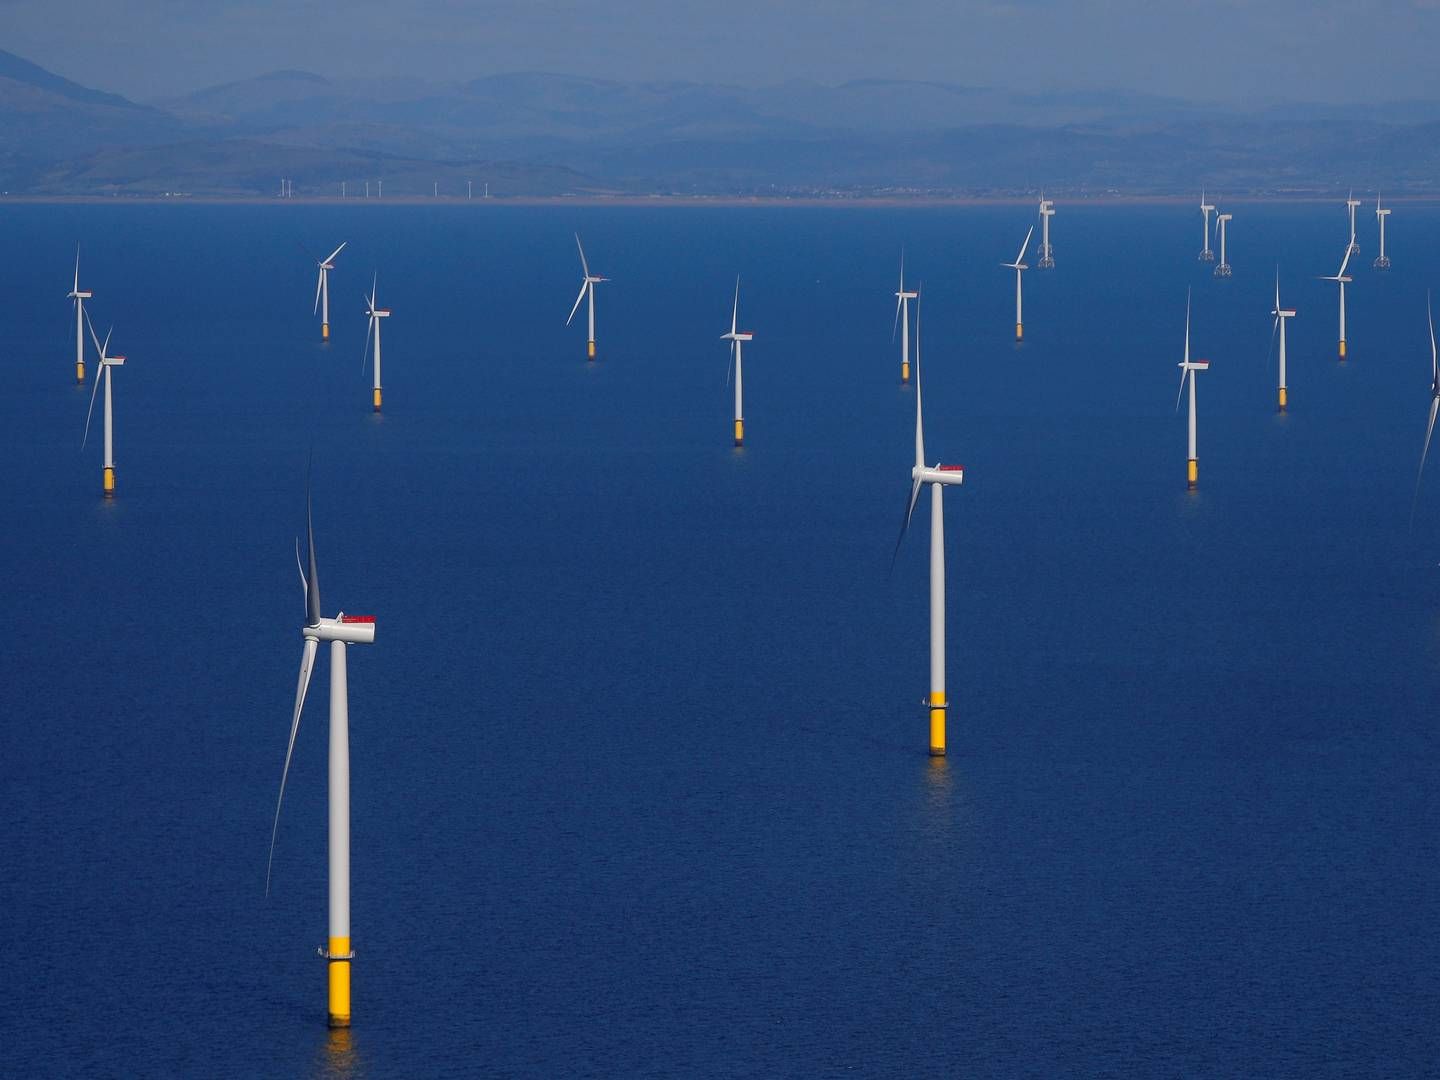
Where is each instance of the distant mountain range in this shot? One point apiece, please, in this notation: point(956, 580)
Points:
point(550, 135)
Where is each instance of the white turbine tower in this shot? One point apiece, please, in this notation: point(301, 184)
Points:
point(1047, 253)
point(737, 338)
point(80, 296)
point(1188, 368)
point(1019, 267)
point(1434, 405)
point(1342, 281)
point(1281, 316)
point(107, 362)
point(373, 334)
point(937, 477)
point(1382, 262)
point(341, 631)
point(587, 288)
point(1206, 209)
point(322, 291)
point(902, 322)
point(1351, 203)
point(1222, 268)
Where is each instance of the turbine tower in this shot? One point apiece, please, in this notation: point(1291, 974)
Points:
point(1350, 204)
point(1188, 368)
point(587, 288)
point(341, 631)
point(1382, 262)
point(737, 337)
point(376, 314)
point(1047, 253)
point(1206, 209)
point(322, 291)
point(1222, 269)
point(902, 323)
point(107, 363)
point(80, 296)
point(1019, 267)
point(938, 478)
point(1281, 315)
point(1342, 281)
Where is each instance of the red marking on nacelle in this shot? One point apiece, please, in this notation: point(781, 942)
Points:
point(952, 468)
point(357, 618)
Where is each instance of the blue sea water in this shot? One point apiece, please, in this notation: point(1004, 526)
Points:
point(639, 773)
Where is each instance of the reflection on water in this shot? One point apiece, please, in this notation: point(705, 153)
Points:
point(338, 1058)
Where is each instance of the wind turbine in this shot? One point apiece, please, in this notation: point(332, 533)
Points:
point(1351, 203)
point(376, 314)
point(1383, 262)
point(1281, 315)
point(937, 477)
point(1047, 253)
point(322, 291)
point(587, 288)
point(737, 337)
point(902, 319)
point(1222, 269)
point(1019, 267)
point(1206, 209)
point(340, 631)
point(1342, 280)
point(1434, 405)
point(107, 484)
point(80, 296)
point(1188, 368)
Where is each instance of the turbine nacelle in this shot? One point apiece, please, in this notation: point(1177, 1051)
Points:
point(951, 475)
point(77, 295)
point(1194, 365)
point(738, 335)
point(352, 629)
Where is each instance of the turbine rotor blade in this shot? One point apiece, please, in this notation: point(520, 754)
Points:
point(735, 311)
point(583, 286)
point(584, 266)
point(319, 282)
point(312, 586)
point(337, 251)
point(731, 362)
point(1178, 396)
point(905, 525)
point(307, 665)
point(1429, 430)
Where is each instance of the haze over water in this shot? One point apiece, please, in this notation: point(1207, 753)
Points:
point(638, 757)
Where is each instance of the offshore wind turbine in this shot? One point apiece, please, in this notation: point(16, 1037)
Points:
point(1206, 209)
point(322, 291)
point(902, 322)
point(107, 362)
point(1019, 267)
point(1281, 316)
point(1382, 262)
point(1350, 204)
point(1342, 280)
point(80, 296)
point(1047, 253)
point(340, 632)
point(1434, 405)
point(938, 478)
point(1222, 269)
point(373, 333)
point(1188, 368)
point(737, 338)
point(587, 288)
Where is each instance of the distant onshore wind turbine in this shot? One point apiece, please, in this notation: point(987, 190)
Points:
point(80, 296)
point(376, 314)
point(1188, 368)
point(340, 631)
point(1382, 262)
point(107, 363)
point(902, 320)
point(1206, 209)
point(1281, 316)
point(322, 291)
point(1019, 267)
point(587, 288)
point(1222, 268)
point(938, 478)
point(1342, 280)
point(737, 338)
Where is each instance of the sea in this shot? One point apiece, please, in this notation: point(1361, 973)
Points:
point(640, 785)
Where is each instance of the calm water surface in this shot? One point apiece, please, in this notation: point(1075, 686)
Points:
point(640, 784)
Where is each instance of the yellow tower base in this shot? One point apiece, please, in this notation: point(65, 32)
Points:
point(377, 399)
point(1019, 332)
point(1192, 473)
point(339, 982)
point(937, 724)
point(109, 482)
point(739, 432)
point(905, 372)
point(1342, 348)
point(1282, 399)
point(590, 350)
point(79, 371)
point(324, 331)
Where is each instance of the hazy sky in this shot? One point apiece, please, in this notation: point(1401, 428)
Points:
point(1320, 50)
